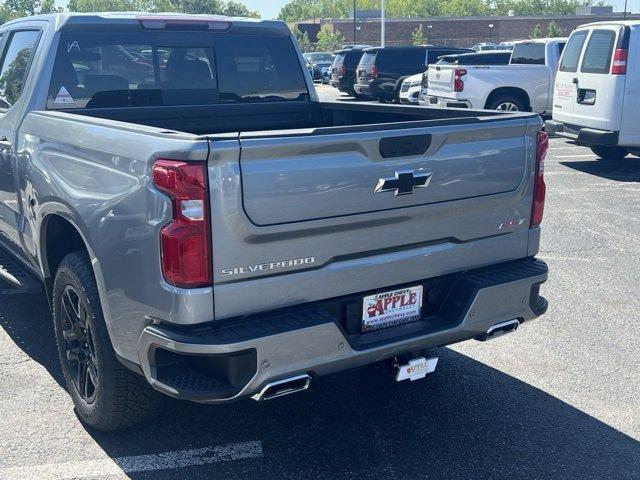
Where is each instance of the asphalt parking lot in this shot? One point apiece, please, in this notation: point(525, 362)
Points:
point(560, 399)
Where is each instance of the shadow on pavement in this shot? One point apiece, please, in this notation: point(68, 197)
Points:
point(625, 170)
point(465, 421)
point(26, 318)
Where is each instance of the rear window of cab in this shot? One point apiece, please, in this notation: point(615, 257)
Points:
point(172, 68)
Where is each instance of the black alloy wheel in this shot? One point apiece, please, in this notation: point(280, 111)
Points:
point(79, 345)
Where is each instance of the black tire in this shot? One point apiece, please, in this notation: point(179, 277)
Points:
point(506, 103)
point(610, 153)
point(111, 397)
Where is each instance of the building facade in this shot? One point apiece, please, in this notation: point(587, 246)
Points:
point(452, 31)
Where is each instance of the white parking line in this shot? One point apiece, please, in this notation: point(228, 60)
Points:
point(120, 467)
point(575, 147)
point(587, 155)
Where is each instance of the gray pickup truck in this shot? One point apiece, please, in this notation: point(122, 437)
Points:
point(204, 226)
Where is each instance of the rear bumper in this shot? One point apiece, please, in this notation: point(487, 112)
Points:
point(232, 361)
point(442, 102)
point(342, 84)
point(364, 90)
point(582, 135)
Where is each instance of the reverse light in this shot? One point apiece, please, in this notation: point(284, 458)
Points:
point(458, 84)
point(619, 61)
point(185, 241)
point(540, 188)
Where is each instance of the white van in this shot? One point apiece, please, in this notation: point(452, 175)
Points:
point(596, 98)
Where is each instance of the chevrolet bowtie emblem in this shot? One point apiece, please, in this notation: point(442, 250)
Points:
point(404, 182)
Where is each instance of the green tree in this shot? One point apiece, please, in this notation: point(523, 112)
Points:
point(11, 9)
point(456, 8)
point(328, 40)
point(115, 6)
point(536, 32)
point(302, 38)
point(554, 30)
point(212, 7)
point(418, 36)
point(297, 10)
point(236, 9)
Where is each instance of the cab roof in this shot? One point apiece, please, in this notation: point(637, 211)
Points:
point(105, 19)
point(623, 23)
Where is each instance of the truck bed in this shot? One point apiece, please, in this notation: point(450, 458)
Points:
point(216, 119)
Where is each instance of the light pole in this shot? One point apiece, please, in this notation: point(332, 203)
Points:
point(355, 13)
point(491, 33)
point(429, 27)
point(625, 9)
point(382, 23)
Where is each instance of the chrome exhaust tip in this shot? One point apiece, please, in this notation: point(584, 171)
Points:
point(499, 329)
point(283, 387)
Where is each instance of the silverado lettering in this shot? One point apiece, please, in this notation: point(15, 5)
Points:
point(263, 267)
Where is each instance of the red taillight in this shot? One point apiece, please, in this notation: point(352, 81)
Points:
point(619, 62)
point(342, 70)
point(374, 72)
point(458, 84)
point(539, 189)
point(184, 243)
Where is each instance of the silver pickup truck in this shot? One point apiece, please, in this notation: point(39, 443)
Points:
point(205, 226)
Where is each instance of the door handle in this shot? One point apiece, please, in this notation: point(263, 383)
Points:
point(5, 144)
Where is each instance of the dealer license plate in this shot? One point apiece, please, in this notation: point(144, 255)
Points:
point(388, 309)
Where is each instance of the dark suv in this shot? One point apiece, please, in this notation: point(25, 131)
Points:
point(382, 69)
point(343, 70)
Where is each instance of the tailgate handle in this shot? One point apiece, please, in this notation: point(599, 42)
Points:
point(410, 145)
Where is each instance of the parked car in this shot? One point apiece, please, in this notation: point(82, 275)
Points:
point(410, 89)
point(343, 70)
point(596, 89)
point(490, 57)
point(217, 233)
point(525, 84)
point(506, 46)
point(320, 64)
point(382, 69)
point(481, 47)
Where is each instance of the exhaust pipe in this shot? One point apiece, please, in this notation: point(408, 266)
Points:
point(280, 388)
point(499, 329)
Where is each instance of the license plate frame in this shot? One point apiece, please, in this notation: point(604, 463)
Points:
point(391, 308)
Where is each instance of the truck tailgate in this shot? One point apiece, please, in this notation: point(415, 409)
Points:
point(296, 216)
point(441, 77)
point(310, 177)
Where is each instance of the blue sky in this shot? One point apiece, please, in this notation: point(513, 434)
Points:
point(271, 8)
point(267, 8)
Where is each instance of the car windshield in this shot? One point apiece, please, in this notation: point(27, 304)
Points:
point(319, 57)
point(121, 69)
